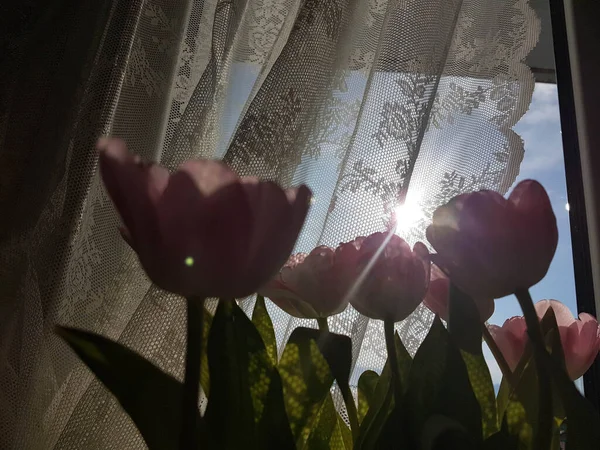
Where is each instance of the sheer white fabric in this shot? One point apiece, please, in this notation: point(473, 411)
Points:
point(371, 103)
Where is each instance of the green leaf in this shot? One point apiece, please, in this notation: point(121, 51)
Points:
point(519, 404)
point(524, 375)
point(380, 424)
point(149, 396)
point(439, 384)
point(380, 408)
point(274, 429)
point(367, 383)
point(240, 375)
point(306, 379)
point(518, 423)
point(464, 322)
point(556, 425)
point(337, 351)
point(262, 321)
point(481, 382)
point(404, 362)
point(346, 434)
point(464, 326)
point(583, 426)
point(322, 434)
point(341, 439)
point(552, 337)
point(501, 440)
point(204, 371)
point(523, 398)
point(442, 433)
point(554, 346)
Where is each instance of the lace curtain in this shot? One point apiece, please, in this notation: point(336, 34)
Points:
point(372, 103)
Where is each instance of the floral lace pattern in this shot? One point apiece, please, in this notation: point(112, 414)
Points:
point(369, 102)
point(267, 21)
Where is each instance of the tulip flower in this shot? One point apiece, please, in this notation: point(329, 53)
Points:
point(580, 338)
point(511, 339)
point(391, 279)
point(202, 231)
point(491, 246)
point(438, 294)
point(313, 285)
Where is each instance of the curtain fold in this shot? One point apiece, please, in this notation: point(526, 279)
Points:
point(384, 108)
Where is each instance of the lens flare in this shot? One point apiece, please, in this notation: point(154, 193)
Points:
point(361, 277)
point(407, 216)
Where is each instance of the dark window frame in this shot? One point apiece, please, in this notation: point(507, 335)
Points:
point(578, 216)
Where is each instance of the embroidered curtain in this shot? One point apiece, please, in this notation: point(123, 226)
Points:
point(385, 108)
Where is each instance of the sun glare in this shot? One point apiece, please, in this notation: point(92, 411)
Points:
point(407, 215)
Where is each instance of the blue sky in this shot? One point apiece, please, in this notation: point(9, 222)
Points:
point(543, 161)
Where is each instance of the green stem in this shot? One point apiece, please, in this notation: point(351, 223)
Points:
point(388, 329)
point(322, 322)
point(191, 383)
point(498, 356)
point(543, 436)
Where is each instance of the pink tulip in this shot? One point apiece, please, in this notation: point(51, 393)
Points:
point(438, 293)
point(580, 338)
point(391, 279)
point(492, 247)
point(511, 339)
point(202, 231)
point(314, 285)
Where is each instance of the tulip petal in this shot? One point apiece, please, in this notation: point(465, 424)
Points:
point(279, 293)
point(209, 176)
point(535, 229)
point(199, 232)
point(300, 199)
point(212, 230)
point(528, 195)
point(473, 242)
point(585, 318)
point(422, 254)
point(436, 298)
point(492, 247)
point(502, 340)
point(394, 278)
point(582, 346)
point(346, 267)
point(511, 339)
point(580, 339)
point(516, 326)
point(126, 235)
point(273, 234)
point(308, 285)
point(564, 317)
point(133, 187)
point(158, 179)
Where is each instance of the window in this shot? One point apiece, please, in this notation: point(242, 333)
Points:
point(544, 161)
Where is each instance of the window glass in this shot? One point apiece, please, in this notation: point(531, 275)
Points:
point(543, 161)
